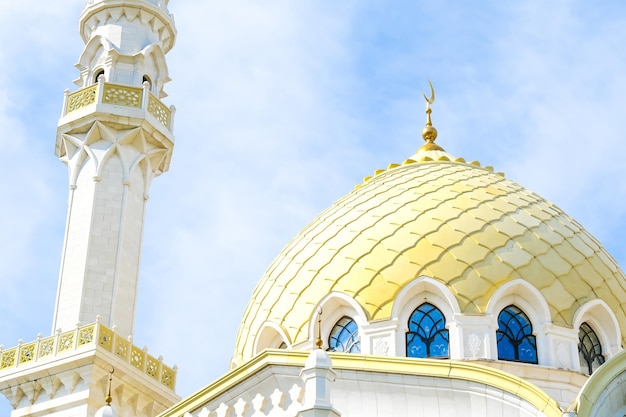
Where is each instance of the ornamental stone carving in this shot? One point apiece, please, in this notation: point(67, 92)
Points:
point(381, 346)
point(474, 344)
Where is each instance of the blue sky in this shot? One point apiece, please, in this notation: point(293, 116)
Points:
point(282, 107)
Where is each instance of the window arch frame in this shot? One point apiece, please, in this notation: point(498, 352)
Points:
point(529, 299)
point(442, 331)
point(604, 323)
point(517, 342)
point(415, 293)
point(335, 306)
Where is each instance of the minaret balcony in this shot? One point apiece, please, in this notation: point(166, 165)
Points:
point(124, 104)
point(92, 337)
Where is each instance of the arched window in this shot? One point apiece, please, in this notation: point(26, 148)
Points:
point(589, 349)
point(97, 75)
point(427, 336)
point(344, 337)
point(516, 341)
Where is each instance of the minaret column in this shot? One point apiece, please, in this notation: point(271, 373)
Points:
point(109, 183)
point(115, 136)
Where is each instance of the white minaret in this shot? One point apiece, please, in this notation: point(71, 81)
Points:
point(115, 136)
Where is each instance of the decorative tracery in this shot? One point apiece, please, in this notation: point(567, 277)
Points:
point(589, 349)
point(344, 336)
point(427, 336)
point(516, 341)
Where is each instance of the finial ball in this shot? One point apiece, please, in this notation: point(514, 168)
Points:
point(429, 134)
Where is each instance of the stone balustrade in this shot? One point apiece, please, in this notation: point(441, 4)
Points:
point(279, 402)
point(94, 335)
point(119, 95)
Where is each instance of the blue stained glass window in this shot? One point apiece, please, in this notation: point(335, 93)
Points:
point(589, 349)
point(344, 337)
point(516, 341)
point(427, 336)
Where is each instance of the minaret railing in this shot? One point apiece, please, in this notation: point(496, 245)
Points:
point(118, 95)
point(90, 335)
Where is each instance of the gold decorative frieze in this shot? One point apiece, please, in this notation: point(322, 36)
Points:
point(158, 110)
point(93, 335)
point(81, 98)
point(27, 352)
point(86, 335)
point(7, 359)
point(121, 347)
point(152, 367)
point(168, 376)
point(46, 347)
point(66, 342)
point(137, 358)
point(105, 338)
point(121, 95)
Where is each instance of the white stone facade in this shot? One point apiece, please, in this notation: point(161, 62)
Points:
point(363, 386)
point(471, 337)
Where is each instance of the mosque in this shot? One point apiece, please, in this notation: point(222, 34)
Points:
point(436, 287)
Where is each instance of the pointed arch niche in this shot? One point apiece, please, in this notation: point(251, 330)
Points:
point(335, 306)
point(600, 317)
point(97, 57)
point(154, 66)
point(419, 291)
point(271, 336)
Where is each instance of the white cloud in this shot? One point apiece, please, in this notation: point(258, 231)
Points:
point(282, 108)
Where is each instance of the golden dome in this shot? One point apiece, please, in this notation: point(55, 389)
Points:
point(460, 224)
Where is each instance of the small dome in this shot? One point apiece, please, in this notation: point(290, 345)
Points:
point(318, 359)
point(106, 411)
point(458, 223)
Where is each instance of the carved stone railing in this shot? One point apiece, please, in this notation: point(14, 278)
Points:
point(119, 95)
point(81, 98)
point(91, 335)
point(289, 402)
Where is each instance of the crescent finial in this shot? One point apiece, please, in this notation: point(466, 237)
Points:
point(430, 100)
point(429, 133)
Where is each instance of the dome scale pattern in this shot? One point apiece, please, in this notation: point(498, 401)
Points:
point(463, 225)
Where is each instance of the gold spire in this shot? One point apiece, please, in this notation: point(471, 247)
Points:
point(429, 133)
point(108, 398)
point(319, 341)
